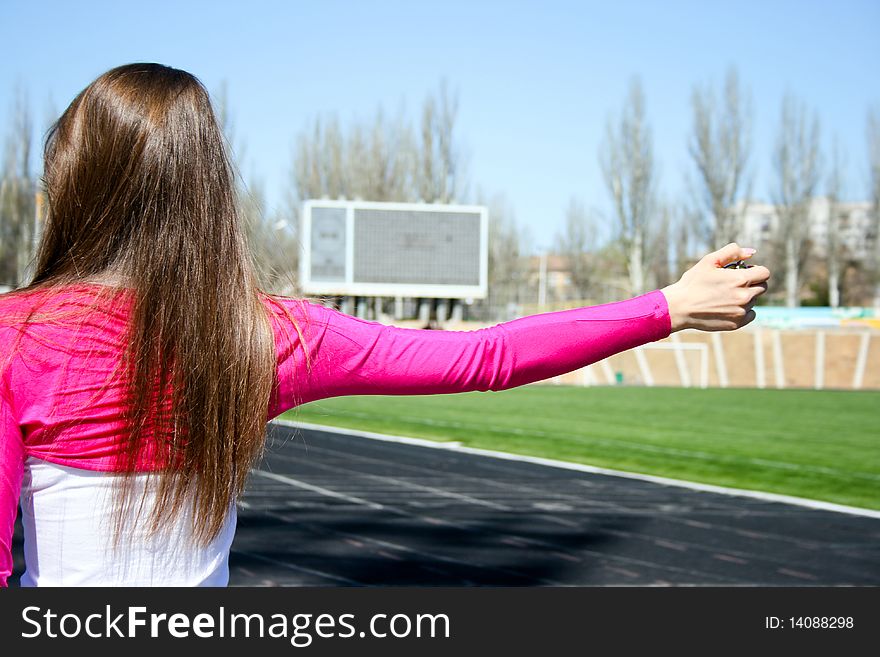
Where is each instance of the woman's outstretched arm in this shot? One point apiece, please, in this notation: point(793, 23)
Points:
point(352, 356)
point(358, 357)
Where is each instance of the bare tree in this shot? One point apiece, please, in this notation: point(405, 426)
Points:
point(873, 139)
point(575, 243)
point(720, 146)
point(659, 243)
point(439, 175)
point(272, 240)
point(833, 246)
point(380, 159)
point(237, 147)
point(18, 188)
point(685, 222)
point(627, 161)
point(507, 264)
point(796, 161)
point(373, 162)
point(317, 162)
point(334, 179)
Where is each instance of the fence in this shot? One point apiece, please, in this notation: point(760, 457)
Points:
point(758, 358)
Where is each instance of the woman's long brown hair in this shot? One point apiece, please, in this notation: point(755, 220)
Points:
point(141, 189)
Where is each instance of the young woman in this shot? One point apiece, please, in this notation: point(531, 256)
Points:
point(139, 368)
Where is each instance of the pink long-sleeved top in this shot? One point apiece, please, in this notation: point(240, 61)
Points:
point(58, 406)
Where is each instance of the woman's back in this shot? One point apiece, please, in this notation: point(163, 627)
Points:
point(69, 388)
point(67, 398)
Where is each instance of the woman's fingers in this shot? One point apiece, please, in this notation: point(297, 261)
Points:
point(754, 275)
point(757, 290)
point(728, 254)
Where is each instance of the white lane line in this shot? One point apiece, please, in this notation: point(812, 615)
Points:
point(464, 526)
point(641, 447)
point(440, 492)
point(317, 489)
point(394, 481)
point(586, 504)
point(616, 508)
point(530, 491)
point(370, 540)
point(564, 465)
point(301, 569)
point(513, 539)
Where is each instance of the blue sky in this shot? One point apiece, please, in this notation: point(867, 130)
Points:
point(536, 80)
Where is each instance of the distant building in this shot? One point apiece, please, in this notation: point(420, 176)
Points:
point(553, 272)
point(856, 234)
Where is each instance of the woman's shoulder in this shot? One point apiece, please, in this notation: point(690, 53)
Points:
point(26, 304)
point(60, 314)
point(17, 305)
point(298, 308)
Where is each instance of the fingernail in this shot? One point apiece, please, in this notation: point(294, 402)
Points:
point(750, 252)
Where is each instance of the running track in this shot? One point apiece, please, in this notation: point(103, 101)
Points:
point(329, 509)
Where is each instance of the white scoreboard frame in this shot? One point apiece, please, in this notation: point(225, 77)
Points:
point(351, 288)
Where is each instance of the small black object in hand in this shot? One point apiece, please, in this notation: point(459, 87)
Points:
point(739, 264)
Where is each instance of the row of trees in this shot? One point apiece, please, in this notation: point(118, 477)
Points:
point(383, 159)
point(395, 158)
point(18, 187)
point(378, 159)
point(721, 184)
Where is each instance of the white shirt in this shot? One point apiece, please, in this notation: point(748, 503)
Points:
point(67, 514)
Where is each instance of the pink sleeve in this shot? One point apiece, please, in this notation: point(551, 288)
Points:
point(352, 356)
point(11, 471)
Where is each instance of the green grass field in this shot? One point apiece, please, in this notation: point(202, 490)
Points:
point(822, 445)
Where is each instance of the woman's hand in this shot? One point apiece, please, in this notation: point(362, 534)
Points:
point(711, 298)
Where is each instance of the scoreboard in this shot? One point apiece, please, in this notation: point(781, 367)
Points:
point(362, 248)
